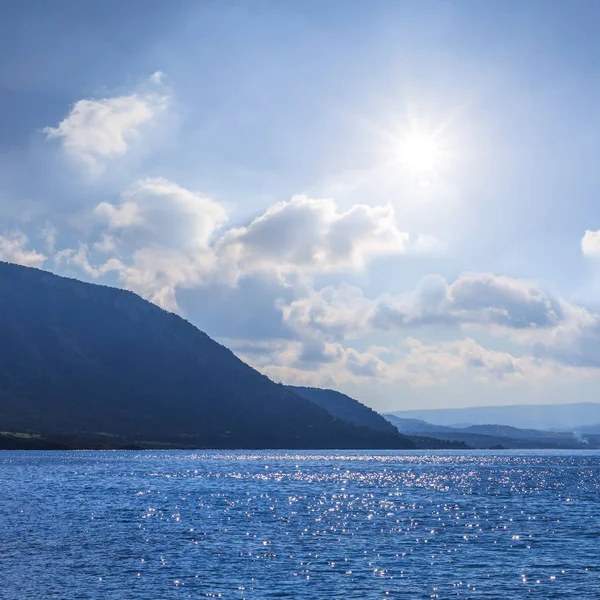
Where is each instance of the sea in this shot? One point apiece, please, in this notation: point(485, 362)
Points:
point(304, 525)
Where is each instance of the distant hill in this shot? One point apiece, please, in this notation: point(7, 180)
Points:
point(549, 417)
point(345, 408)
point(80, 360)
point(496, 436)
point(352, 411)
point(415, 425)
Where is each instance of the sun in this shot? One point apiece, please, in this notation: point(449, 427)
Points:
point(418, 150)
point(421, 154)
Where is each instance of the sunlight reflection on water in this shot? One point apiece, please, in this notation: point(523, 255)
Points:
point(299, 525)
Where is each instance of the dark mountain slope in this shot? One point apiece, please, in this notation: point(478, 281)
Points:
point(352, 411)
point(343, 407)
point(78, 358)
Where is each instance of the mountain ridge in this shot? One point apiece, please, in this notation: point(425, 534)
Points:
point(492, 436)
point(344, 407)
point(548, 417)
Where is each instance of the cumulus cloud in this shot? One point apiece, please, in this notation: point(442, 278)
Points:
point(79, 259)
point(311, 235)
point(167, 232)
point(436, 364)
point(472, 299)
point(158, 237)
point(503, 301)
point(106, 244)
point(167, 237)
point(118, 217)
point(590, 244)
point(577, 345)
point(170, 237)
point(556, 339)
point(157, 273)
point(553, 334)
point(14, 249)
point(335, 312)
point(414, 363)
point(97, 130)
point(312, 362)
point(159, 212)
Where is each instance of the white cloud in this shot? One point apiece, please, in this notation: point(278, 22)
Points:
point(590, 244)
point(106, 244)
point(315, 363)
point(117, 217)
point(182, 231)
point(311, 235)
point(472, 299)
point(334, 312)
point(429, 245)
point(95, 131)
point(159, 212)
point(413, 363)
point(166, 233)
point(479, 299)
point(551, 332)
point(436, 364)
point(156, 273)
point(13, 249)
point(158, 238)
point(153, 273)
point(79, 259)
point(432, 364)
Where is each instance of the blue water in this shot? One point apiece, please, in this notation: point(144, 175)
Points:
point(302, 525)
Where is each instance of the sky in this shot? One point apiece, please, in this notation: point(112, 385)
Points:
point(398, 200)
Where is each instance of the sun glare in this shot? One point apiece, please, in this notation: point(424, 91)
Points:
point(421, 154)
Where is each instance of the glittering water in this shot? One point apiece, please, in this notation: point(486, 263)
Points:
point(304, 525)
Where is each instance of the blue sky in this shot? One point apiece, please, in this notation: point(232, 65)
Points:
point(395, 199)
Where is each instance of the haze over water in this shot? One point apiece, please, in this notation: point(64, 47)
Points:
point(180, 524)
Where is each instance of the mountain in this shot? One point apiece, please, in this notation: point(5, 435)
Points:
point(495, 436)
point(415, 425)
point(345, 408)
point(352, 411)
point(81, 360)
point(549, 417)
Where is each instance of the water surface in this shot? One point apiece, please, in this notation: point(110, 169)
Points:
point(307, 525)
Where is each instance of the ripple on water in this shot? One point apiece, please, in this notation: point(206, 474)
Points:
point(299, 525)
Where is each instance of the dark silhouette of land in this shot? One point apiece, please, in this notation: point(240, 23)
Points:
point(345, 408)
